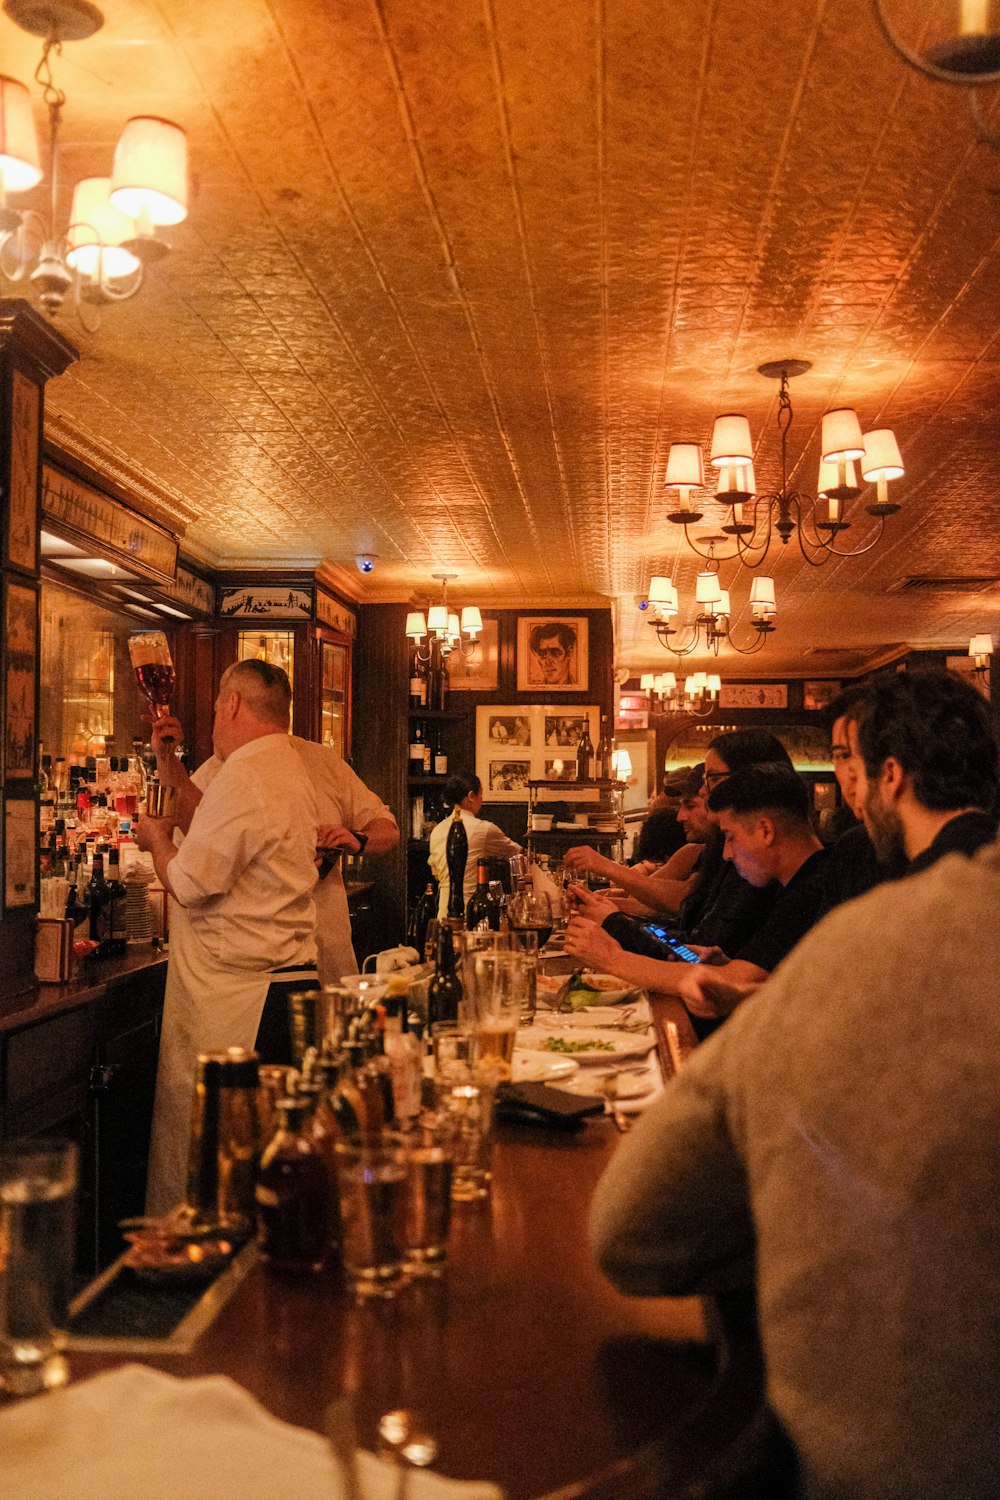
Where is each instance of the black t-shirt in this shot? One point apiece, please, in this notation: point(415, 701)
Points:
point(852, 867)
point(964, 834)
point(799, 905)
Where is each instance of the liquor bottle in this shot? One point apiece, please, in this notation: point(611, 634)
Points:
point(445, 989)
point(605, 750)
point(442, 687)
point(418, 681)
point(456, 857)
point(425, 908)
point(585, 756)
point(97, 903)
point(76, 910)
point(371, 1101)
point(417, 744)
point(378, 1066)
point(342, 1094)
point(440, 756)
point(480, 907)
point(498, 904)
point(292, 1195)
point(117, 933)
point(322, 1128)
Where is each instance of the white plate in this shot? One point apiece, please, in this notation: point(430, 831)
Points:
point(532, 1067)
point(549, 985)
point(606, 1046)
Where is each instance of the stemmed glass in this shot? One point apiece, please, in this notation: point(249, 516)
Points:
point(154, 669)
point(531, 911)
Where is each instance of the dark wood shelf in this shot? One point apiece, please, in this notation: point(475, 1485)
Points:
point(428, 780)
point(437, 713)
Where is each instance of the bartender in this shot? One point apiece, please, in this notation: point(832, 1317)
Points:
point(242, 883)
point(486, 840)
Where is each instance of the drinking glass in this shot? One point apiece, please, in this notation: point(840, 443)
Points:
point(154, 669)
point(531, 911)
point(37, 1233)
point(427, 1150)
point(454, 1049)
point(372, 1181)
point(466, 1111)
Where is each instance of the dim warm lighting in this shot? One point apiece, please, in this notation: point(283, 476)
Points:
point(697, 698)
point(621, 765)
point(981, 652)
point(963, 50)
point(111, 237)
point(713, 613)
point(755, 517)
point(444, 625)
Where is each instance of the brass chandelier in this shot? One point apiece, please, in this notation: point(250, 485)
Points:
point(710, 627)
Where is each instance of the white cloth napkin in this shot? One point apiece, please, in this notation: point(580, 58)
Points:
point(136, 1434)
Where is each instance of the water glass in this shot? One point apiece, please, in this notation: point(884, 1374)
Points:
point(372, 1181)
point(428, 1154)
point(454, 1050)
point(466, 1109)
point(38, 1181)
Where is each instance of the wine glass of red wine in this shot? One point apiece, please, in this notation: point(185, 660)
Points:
point(153, 668)
point(531, 911)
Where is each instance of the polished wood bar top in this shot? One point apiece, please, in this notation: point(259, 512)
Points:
point(92, 983)
point(529, 1368)
point(675, 1036)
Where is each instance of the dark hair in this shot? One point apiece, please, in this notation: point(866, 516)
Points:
point(564, 634)
point(846, 705)
point(738, 748)
point(458, 787)
point(939, 730)
point(770, 788)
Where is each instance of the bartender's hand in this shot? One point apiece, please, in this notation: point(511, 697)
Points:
point(593, 905)
point(154, 834)
point(336, 836)
point(706, 993)
point(165, 735)
point(586, 940)
point(583, 857)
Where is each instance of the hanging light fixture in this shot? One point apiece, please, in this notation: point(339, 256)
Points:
point(755, 517)
point(963, 51)
point(714, 611)
point(111, 237)
point(451, 631)
point(697, 698)
point(981, 652)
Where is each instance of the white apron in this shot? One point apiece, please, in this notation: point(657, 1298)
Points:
point(208, 1007)
point(333, 930)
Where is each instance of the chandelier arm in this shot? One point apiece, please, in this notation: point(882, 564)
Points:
point(680, 650)
point(744, 549)
point(84, 318)
point(929, 69)
point(976, 110)
point(711, 555)
point(831, 551)
point(748, 650)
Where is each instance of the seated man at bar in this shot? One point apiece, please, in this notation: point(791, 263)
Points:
point(243, 918)
point(853, 867)
point(924, 755)
point(832, 1148)
point(764, 815)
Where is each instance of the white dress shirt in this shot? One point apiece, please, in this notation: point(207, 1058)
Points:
point(486, 841)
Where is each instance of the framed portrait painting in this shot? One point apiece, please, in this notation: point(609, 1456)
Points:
point(552, 654)
point(477, 672)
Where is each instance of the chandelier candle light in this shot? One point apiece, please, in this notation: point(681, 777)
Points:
point(714, 612)
point(754, 516)
point(444, 625)
point(697, 699)
point(111, 236)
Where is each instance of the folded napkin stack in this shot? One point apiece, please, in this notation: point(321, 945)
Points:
point(134, 1432)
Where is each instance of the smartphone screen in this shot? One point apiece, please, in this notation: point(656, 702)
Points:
point(677, 949)
point(683, 951)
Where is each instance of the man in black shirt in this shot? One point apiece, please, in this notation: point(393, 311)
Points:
point(764, 815)
point(925, 758)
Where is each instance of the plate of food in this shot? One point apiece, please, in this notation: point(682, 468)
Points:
point(535, 1067)
point(587, 988)
point(582, 1046)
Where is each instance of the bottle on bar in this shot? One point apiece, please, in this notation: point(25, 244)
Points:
point(292, 1195)
point(117, 932)
point(97, 903)
point(456, 853)
point(480, 908)
point(421, 914)
point(605, 750)
point(585, 756)
point(444, 992)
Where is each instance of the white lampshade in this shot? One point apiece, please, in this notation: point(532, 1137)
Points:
point(981, 645)
point(454, 629)
point(841, 435)
point(706, 589)
point(663, 594)
point(416, 625)
point(97, 233)
point(647, 682)
point(762, 592)
point(19, 166)
point(731, 441)
point(695, 684)
point(621, 763)
point(685, 466)
point(722, 607)
point(149, 179)
point(437, 619)
point(829, 477)
point(714, 684)
point(881, 456)
point(472, 621)
point(666, 683)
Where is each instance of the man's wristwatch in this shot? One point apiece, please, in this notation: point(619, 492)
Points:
point(362, 839)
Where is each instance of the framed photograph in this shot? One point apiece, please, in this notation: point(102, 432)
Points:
point(22, 525)
point(552, 654)
point(19, 854)
point(20, 616)
point(517, 743)
point(818, 695)
point(477, 672)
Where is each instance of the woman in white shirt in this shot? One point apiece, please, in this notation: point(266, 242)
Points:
point(486, 840)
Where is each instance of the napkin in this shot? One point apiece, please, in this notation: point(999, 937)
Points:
point(136, 1434)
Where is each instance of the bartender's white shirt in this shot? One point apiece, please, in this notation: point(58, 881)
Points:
point(341, 797)
point(486, 841)
point(245, 872)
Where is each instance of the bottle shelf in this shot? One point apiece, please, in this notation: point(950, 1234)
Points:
point(428, 780)
point(437, 713)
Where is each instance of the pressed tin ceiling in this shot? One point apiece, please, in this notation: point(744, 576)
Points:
point(456, 272)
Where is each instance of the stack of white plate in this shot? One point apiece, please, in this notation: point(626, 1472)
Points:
point(139, 923)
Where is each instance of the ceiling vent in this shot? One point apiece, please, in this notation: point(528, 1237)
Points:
point(959, 583)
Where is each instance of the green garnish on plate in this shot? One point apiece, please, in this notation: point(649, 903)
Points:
point(561, 1044)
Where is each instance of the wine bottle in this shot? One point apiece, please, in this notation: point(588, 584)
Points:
point(417, 749)
point(293, 1196)
point(418, 681)
point(97, 903)
point(117, 939)
point(585, 756)
point(456, 858)
point(479, 909)
point(605, 749)
point(421, 914)
point(440, 756)
point(444, 993)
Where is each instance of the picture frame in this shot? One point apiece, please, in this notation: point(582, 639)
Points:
point(22, 518)
point(517, 743)
point(552, 654)
point(819, 695)
point(20, 863)
point(20, 623)
point(479, 671)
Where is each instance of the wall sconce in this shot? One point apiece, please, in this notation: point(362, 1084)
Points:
point(980, 651)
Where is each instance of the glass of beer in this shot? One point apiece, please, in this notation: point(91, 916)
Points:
point(153, 668)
